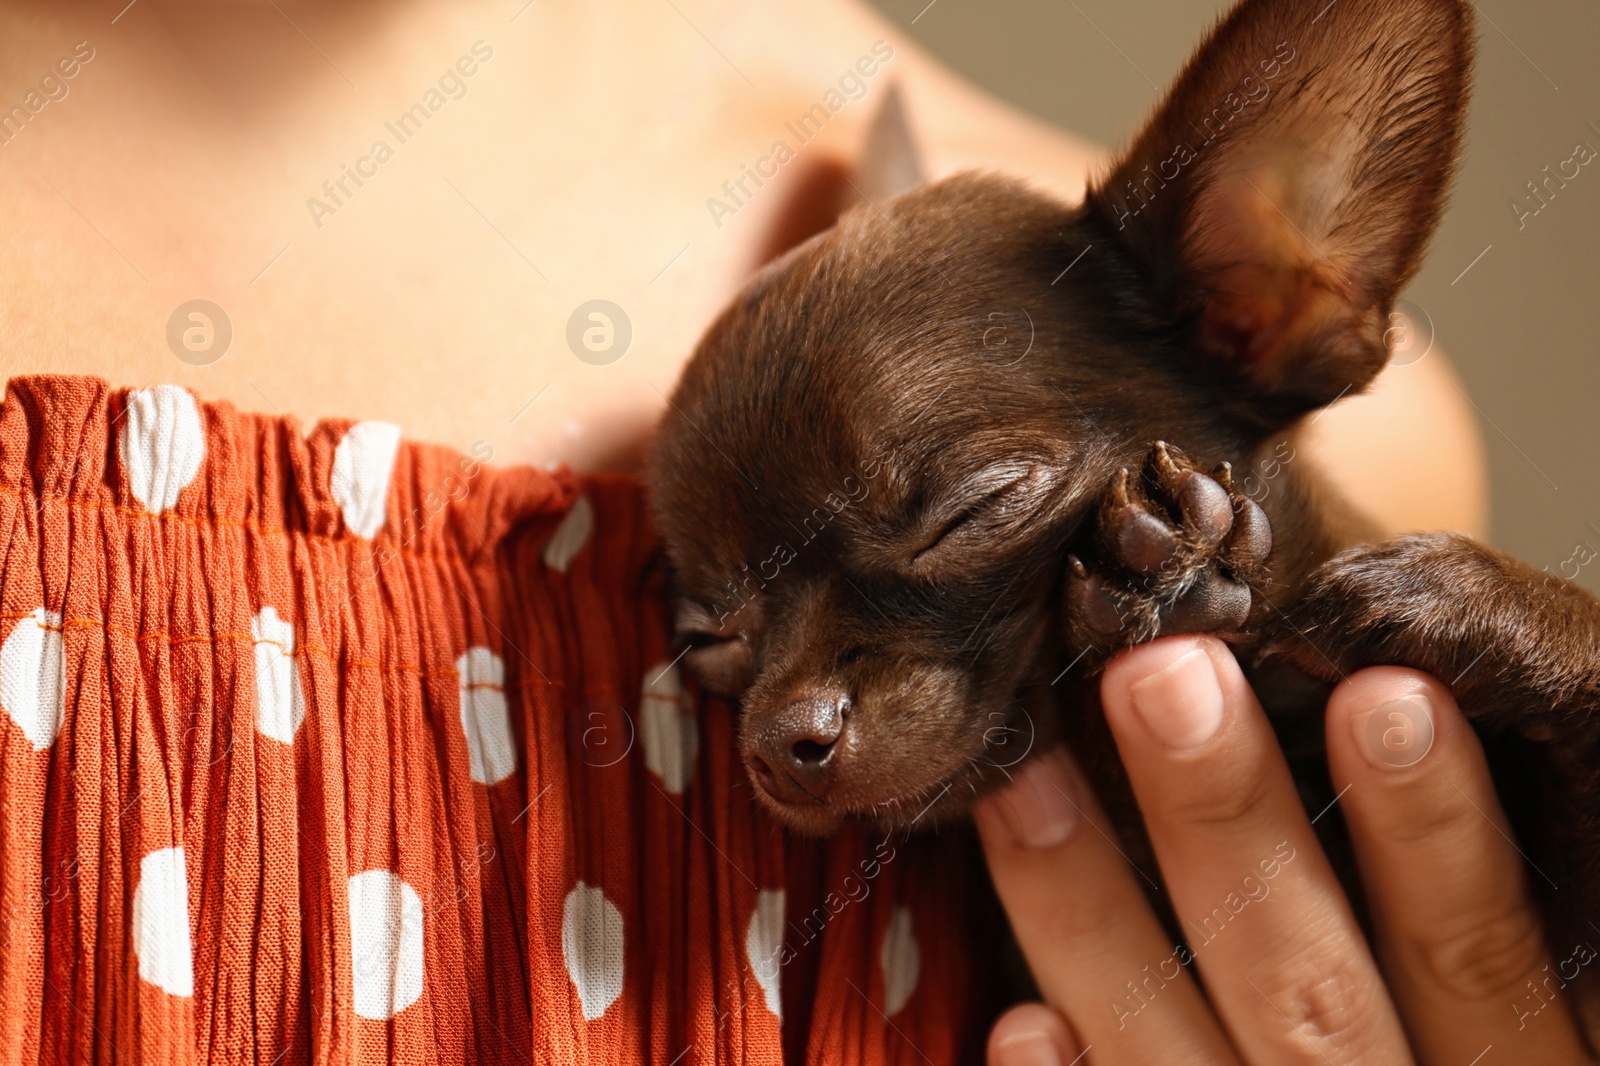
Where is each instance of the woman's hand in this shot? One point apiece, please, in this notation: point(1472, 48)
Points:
point(1289, 977)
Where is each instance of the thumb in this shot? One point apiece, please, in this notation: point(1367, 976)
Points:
point(1032, 1035)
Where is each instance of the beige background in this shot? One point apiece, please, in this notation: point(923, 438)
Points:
point(1520, 324)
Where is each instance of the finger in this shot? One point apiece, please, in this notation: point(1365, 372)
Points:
point(1458, 933)
point(1032, 1035)
point(1094, 946)
point(1277, 944)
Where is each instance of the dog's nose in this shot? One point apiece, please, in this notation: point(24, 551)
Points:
point(797, 752)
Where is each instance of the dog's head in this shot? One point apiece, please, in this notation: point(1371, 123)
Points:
point(870, 471)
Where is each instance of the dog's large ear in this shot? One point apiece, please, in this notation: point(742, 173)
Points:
point(1284, 190)
point(890, 162)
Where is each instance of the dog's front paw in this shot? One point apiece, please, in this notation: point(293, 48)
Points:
point(1174, 550)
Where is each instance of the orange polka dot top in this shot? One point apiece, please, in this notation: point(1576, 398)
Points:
point(336, 748)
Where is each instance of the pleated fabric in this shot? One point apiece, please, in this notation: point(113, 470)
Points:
point(337, 748)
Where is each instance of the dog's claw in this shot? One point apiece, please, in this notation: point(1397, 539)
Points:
point(1119, 488)
point(1161, 459)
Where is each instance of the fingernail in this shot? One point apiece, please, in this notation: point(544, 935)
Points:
point(1181, 704)
point(1039, 809)
point(1396, 734)
point(1032, 1048)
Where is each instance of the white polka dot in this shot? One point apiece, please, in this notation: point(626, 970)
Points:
point(33, 676)
point(162, 444)
point(280, 703)
point(901, 959)
point(485, 717)
point(591, 943)
point(570, 536)
point(763, 946)
point(668, 728)
point(385, 944)
point(362, 465)
point(161, 922)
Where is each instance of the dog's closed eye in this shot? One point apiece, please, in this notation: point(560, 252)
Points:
point(951, 528)
point(989, 506)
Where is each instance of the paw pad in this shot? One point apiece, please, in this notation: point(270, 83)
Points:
point(1174, 550)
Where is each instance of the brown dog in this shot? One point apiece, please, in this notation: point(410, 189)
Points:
point(911, 475)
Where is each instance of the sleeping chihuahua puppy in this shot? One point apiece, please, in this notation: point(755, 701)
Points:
point(934, 466)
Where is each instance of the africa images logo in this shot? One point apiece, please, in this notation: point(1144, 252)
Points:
point(52, 88)
point(852, 85)
point(452, 85)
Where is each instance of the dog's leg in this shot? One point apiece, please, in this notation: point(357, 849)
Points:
point(1520, 651)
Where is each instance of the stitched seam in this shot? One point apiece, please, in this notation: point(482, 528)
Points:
point(388, 542)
